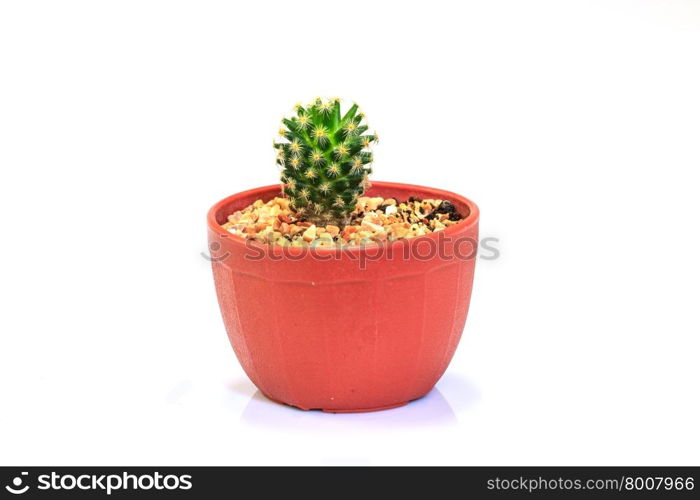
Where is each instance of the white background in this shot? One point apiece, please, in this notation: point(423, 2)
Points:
point(574, 125)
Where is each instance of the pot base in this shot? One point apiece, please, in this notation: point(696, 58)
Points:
point(336, 410)
point(367, 410)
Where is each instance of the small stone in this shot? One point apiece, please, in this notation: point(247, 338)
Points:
point(371, 218)
point(348, 232)
point(235, 217)
point(295, 229)
point(445, 208)
point(380, 235)
point(310, 234)
point(372, 226)
point(248, 218)
point(325, 239)
point(373, 203)
point(361, 204)
point(400, 229)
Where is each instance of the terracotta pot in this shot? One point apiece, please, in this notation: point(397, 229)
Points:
point(354, 329)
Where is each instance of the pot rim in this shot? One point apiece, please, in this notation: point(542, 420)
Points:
point(460, 227)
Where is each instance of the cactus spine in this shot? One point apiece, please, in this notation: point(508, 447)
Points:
point(325, 160)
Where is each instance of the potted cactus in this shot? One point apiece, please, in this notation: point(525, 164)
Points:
point(340, 294)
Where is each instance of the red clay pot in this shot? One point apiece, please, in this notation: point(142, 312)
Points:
point(344, 330)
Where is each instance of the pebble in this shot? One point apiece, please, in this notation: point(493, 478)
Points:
point(375, 219)
point(310, 234)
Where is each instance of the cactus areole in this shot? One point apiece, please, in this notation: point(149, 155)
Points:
point(325, 158)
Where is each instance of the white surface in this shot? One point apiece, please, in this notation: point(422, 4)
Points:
point(574, 126)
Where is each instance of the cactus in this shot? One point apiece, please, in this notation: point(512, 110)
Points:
point(325, 160)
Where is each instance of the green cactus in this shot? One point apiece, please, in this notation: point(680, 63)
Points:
point(324, 160)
